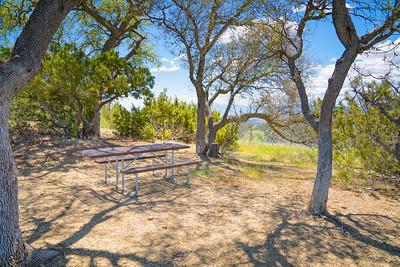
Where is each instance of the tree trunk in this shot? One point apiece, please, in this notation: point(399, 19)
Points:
point(397, 149)
point(91, 128)
point(324, 170)
point(12, 247)
point(212, 147)
point(97, 126)
point(211, 136)
point(201, 146)
point(213, 152)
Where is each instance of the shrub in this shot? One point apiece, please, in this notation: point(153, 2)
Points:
point(161, 118)
point(127, 123)
point(228, 138)
point(358, 137)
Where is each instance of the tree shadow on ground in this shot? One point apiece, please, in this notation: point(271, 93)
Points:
point(295, 237)
point(349, 236)
point(113, 259)
point(117, 201)
point(363, 227)
point(50, 156)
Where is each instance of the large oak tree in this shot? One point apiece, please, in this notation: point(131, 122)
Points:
point(15, 73)
point(381, 18)
point(223, 55)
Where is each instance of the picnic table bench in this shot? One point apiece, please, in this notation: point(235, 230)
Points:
point(129, 155)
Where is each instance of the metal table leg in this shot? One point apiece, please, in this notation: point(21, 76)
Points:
point(166, 162)
point(137, 184)
point(122, 176)
point(105, 172)
point(116, 174)
point(153, 165)
point(172, 161)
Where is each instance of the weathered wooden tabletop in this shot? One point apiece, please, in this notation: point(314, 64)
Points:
point(102, 152)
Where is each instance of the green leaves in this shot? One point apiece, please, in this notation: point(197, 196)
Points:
point(161, 118)
point(364, 137)
point(73, 87)
point(228, 137)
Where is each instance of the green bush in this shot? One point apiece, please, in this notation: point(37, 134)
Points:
point(127, 123)
point(228, 138)
point(160, 118)
point(364, 141)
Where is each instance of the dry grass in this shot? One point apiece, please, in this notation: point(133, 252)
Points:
point(236, 213)
point(281, 154)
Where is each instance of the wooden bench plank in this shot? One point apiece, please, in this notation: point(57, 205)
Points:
point(113, 159)
point(160, 167)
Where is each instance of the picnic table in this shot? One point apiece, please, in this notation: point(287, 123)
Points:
point(123, 157)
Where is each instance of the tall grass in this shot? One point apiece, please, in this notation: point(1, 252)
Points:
point(278, 153)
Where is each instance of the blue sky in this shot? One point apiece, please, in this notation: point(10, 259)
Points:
point(322, 43)
point(322, 47)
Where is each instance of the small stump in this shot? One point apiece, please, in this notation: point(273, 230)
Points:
point(214, 150)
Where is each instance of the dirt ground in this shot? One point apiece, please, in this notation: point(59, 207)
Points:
point(227, 216)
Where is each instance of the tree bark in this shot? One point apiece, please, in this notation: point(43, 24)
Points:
point(213, 152)
point(320, 192)
point(91, 128)
point(12, 247)
point(212, 135)
point(397, 149)
point(201, 145)
point(28, 52)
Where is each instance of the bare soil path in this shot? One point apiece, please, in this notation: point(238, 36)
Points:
point(228, 216)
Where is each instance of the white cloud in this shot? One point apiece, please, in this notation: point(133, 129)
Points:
point(182, 56)
point(233, 33)
point(299, 9)
point(303, 7)
point(167, 65)
point(376, 63)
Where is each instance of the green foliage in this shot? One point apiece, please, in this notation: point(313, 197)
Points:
point(127, 123)
point(170, 118)
point(5, 53)
point(364, 139)
point(161, 118)
point(13, 16)
point(127, 19)
point(107, 114)
point(26, 115)
point(72, 87)
point(280, 153)
point(228, 138)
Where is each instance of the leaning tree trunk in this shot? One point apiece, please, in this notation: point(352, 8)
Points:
point(12, 247)
point(322, 182)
